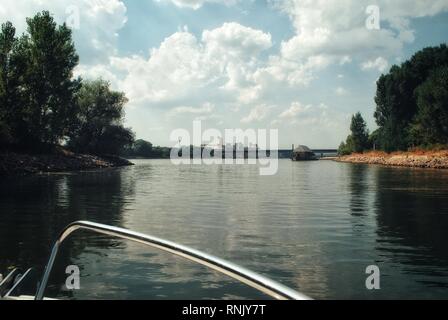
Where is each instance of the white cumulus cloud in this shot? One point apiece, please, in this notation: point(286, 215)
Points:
point(99, 22)
point(258, 113)
point(223, 61)
point(379, 64)
point(207, 108)
point(294, 110)
point(337, 28)
point(196, 4)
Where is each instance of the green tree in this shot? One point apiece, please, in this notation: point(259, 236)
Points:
point(347, 147)
point(98, 127)
point(143, 149)
point(11, 68)
point(113, 139)
point(391, 125)
point(374, 139)
point(344, 149)
point(161, 153)
point(7, 40)
point(358, 140)
point(48, 88)
point(431, 123)
point(396, 100)
point(41, 105)
point(360, 133)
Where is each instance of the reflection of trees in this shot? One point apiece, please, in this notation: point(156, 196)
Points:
point(412, 215)
point(30, 215)
point(358, 190)
point(35, 210)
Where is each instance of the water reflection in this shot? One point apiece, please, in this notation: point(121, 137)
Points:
point(314, 226)
point(35, 210)
point(359, 184)
point(412, 221)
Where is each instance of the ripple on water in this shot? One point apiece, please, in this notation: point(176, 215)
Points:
point(313, 226)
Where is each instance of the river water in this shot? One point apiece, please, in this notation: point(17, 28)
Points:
point(315, 226)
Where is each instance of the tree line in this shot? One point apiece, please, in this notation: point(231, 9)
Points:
point(42, 105)
point(144, 149)
point(411, 107)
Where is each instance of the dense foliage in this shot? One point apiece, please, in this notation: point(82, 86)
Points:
point(430, 126)
point(97, 126)
point(411, 105)
point(410, 100)
point(358, 140)
point(144, 149)
point(42, 105)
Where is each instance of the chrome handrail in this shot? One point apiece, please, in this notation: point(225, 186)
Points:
point(256, 281)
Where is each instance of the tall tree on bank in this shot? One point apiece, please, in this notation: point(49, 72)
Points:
point(396, 97)
point(98, 127)
point(142, 148)
point(48, 85)
point(431, 123)
point(7, 41)
point(42, 106)
point(360, 133)
point(12, 65)
point(358, 140)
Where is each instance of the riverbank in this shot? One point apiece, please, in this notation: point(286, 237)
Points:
point(12, 163)
point(417, 159)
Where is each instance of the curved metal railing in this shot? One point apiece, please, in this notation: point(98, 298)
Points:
point(256, 281)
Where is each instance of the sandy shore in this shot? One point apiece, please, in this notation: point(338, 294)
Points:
point(21, 164)
point(418, 159)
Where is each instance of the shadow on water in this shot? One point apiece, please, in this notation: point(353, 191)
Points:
point(314, 226)
point(412, 218)
point(412, 212)
point(359, 185)
point(35, 209)
point(399, 220)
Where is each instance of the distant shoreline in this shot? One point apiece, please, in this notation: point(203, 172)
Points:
point(413, 159)
point(12, 163)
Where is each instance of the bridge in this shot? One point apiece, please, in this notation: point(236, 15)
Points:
point(282, 153)
point(321, 153)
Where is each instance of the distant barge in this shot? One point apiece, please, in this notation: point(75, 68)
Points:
point(303, 153)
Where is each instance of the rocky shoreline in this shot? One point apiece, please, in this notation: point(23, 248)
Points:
point(420, 159)
point(12, 163)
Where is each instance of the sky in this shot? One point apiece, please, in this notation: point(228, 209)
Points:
point(300, 66)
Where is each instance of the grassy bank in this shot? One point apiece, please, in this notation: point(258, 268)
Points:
point(12, 163)
point(418, 159)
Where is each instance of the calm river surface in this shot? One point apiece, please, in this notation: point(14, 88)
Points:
point(314, 227)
